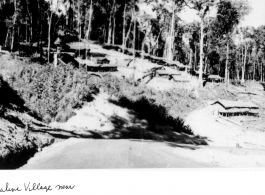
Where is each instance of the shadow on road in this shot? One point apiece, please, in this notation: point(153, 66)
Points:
point(63, 134)
point(151, 122)
point(174, 145)
point(146, 121)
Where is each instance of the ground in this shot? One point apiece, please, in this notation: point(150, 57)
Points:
point(96, 116)
point(223, 133)
point(87, 154)
point(239, 143)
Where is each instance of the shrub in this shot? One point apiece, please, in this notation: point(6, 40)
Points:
point(9, 97)
point(64, 115)
point(48, 90)
point(2, 110)
point(47, 119)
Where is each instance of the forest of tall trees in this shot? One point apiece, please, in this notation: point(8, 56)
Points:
point(213, 45)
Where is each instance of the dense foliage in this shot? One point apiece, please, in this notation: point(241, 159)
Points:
point(50, 91)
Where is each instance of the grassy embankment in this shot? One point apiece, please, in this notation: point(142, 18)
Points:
point(17, 143)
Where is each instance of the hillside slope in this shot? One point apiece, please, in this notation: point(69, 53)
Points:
point(17, 142)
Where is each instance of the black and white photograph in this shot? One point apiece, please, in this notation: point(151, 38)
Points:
point(131, 84)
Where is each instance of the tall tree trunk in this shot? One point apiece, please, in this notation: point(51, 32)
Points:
point(111, 23)
point(134, 34)
point(41, 36)
point(26, 31)
point(79, 20)
point(191, 53)
point(124, 27)
point(49, 36)
point(90, 20)
point(172, 32)
point(31, 29)
point(237, 71)
point(18, 32)
point(201, 54)
point(152, 49)
point(244, 65)
point(206, 64)
point(262, 72)
point(30, 21)
point(7, 38)
point(259, 67)
point(142, 57)
point(195, 58)
point(128, 33)
point(114, 25)
point(39, 24)
point(134, 43)
point(109, 30)
point(105, 34)
point(242, 58)
point(254, 71)
point(227, 61)
point(14, 24)
point(41, 31)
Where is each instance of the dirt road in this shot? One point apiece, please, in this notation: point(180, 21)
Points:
point(88, 153)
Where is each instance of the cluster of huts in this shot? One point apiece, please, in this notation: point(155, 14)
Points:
point(178, 71)
point(173, 69)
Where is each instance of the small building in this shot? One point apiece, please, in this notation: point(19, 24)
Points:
point(215, 78)
point(102, 68)
point(181, 78)
point(177, 65)
point(235, 108)
point(168, 72)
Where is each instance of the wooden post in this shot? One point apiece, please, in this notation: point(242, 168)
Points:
point(55, 62)
point(86, 51)
point(58, 50)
